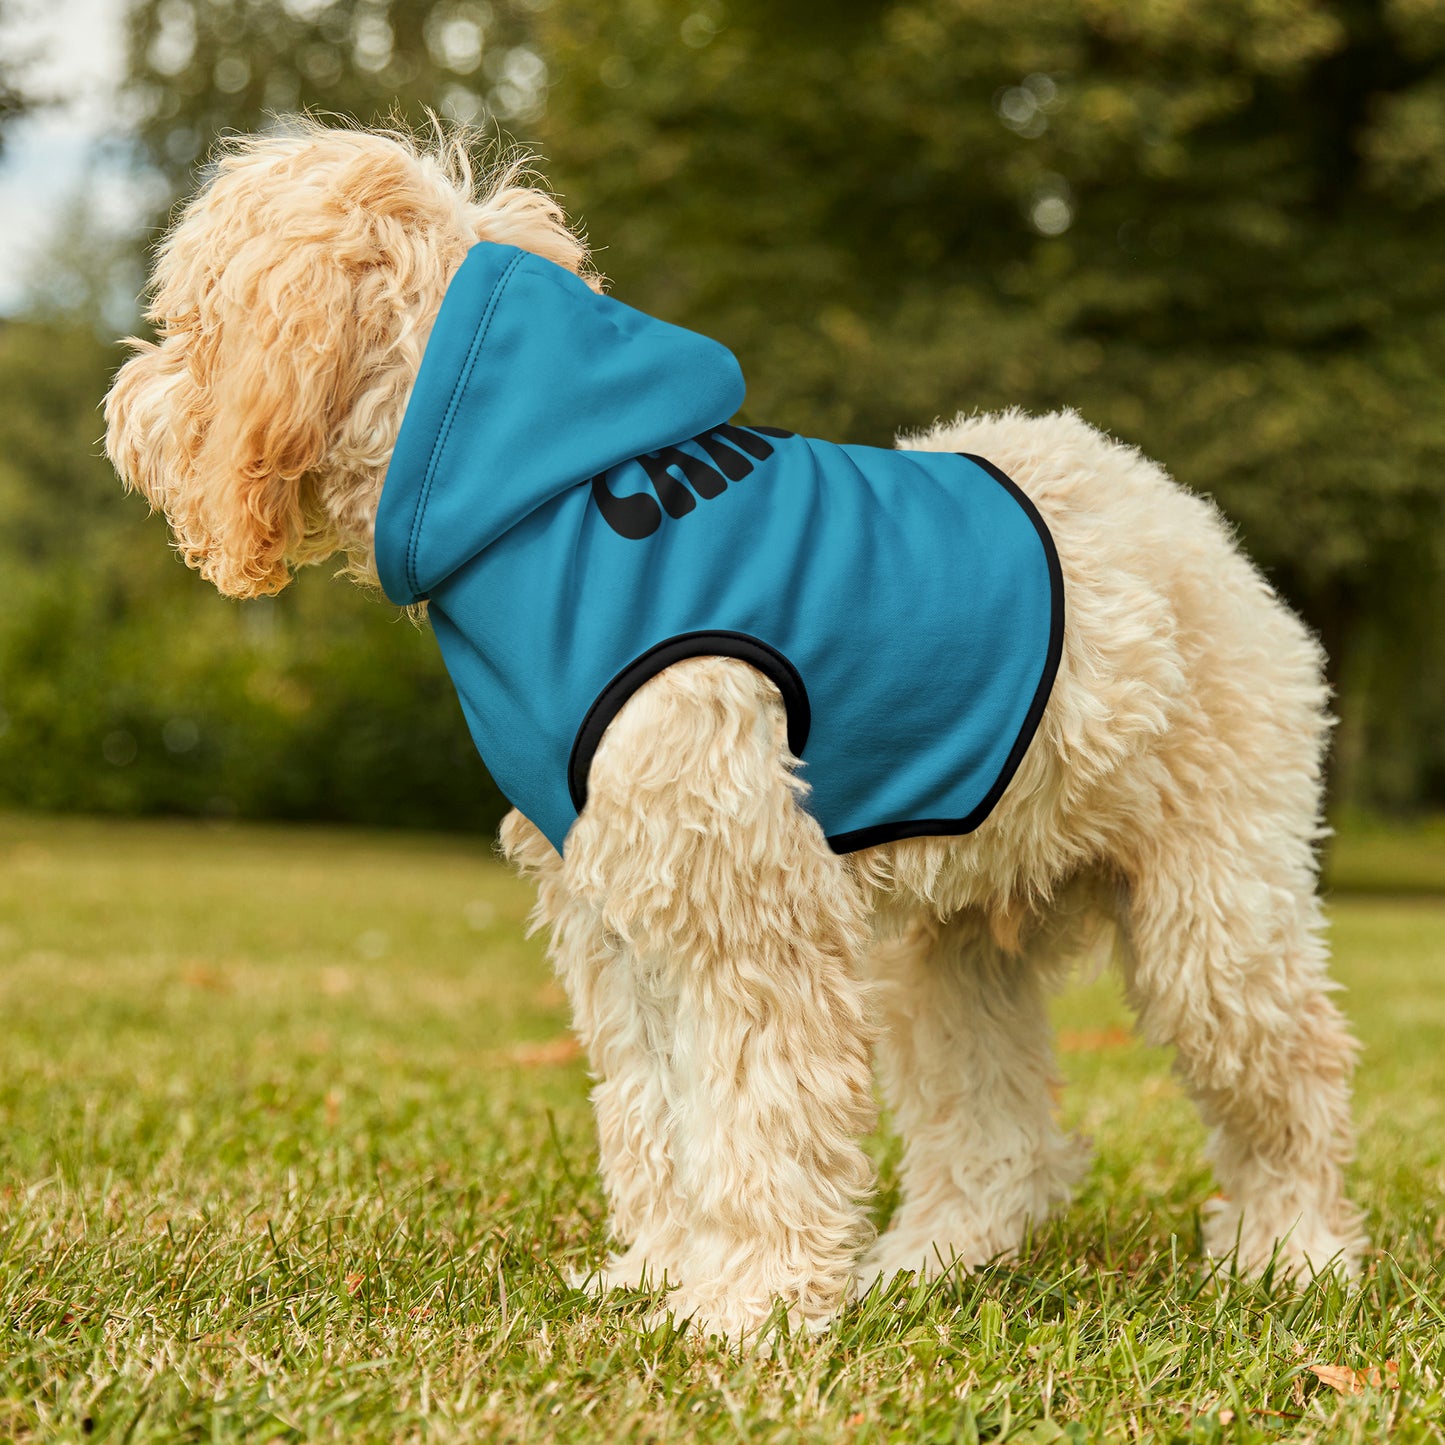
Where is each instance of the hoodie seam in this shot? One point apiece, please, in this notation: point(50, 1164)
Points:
point(484, 325)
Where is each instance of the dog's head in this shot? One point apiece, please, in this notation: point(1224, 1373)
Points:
point(292, 301)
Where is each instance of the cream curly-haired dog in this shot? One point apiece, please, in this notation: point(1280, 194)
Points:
point(730, 972)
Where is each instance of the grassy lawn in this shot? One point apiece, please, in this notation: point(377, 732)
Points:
point(293, 1146)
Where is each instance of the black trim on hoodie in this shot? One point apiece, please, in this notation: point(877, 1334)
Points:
point(745, 648)
point(951, 827)
point(772, 664)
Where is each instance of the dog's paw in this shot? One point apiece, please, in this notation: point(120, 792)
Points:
point(751, 1324)
point(964, 1229)
point(634, 1270)
point(1298, 1245)
point(929, 1253)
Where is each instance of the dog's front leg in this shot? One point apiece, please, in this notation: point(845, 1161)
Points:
point(744, 929)
point(624, 1025)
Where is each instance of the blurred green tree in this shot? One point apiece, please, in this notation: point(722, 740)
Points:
point(202, 67)
point(1217, 229)
point(14, 98)
point(1213, 226)
point(127, 685)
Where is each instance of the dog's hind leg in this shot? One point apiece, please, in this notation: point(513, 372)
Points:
point(699, 859)
point(1226, 963)
point(623, 1018)
point(966, 1062)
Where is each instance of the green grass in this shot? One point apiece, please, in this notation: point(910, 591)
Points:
point(284, 1155)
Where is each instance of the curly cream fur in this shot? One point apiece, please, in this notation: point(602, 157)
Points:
point(729, 974)
point(292, 301)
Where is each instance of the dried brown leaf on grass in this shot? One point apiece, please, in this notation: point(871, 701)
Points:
point(197, 974)
point(1088, 1041)
point(1348, 1381)
point(550, 1051)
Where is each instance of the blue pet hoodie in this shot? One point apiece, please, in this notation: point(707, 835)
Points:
point(570, 495)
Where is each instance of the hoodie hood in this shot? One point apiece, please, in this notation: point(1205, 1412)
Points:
point(531, 384)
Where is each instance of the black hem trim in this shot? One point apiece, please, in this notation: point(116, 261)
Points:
point(950, 827)
point(746, 648)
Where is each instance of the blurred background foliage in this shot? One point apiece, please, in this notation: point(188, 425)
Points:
point(1214, 227)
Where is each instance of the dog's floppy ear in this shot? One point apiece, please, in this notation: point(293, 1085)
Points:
point(283, 299)
point(275, 365)
point(293, 300)
point(221, 423)
point(148, 410)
